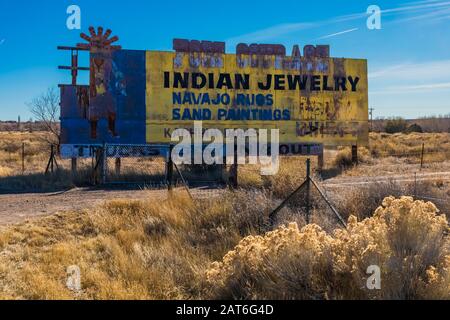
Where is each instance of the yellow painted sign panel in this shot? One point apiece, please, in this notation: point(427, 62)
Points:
point(310, 100)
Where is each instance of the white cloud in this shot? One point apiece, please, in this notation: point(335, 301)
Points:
point(337, 33)
point(407, 71)
point(408, 89)
point(439, 10)
point(272, 32)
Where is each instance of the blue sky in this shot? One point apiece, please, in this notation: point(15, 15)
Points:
point(409, 58)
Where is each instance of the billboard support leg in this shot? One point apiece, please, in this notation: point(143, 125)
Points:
point(74, 166)
point(234, 171)
point(118, 165)
point(52, 161)
point(320, 161)
point(355, 155)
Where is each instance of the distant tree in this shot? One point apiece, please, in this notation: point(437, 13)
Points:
point(414, 128)
point(45, 109)
point(396, 125)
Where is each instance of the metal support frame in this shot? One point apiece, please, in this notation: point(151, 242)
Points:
point(307, 185)
point(74, 68)
point(52, 163)
point(186, 186)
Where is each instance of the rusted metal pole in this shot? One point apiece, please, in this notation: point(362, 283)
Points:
point(341, 220)
point(74, 67)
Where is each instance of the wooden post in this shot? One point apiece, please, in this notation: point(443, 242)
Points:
point(74, 166)
point(118, 165)
point(23, 158)
point(320, 161)
point(421, 156)
point(52, 155)
point(308, 189)
point(355, 155)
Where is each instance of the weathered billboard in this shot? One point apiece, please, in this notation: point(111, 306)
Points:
point(140, 97)
point(320, 100)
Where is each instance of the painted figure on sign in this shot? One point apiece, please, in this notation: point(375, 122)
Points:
point(105, 80)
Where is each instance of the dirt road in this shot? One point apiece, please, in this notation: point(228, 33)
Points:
point(16, 208)
point(398, 178)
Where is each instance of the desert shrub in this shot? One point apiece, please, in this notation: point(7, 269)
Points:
point(362, 201)
point(405, 238)
point(396, 125)
point(343, 158)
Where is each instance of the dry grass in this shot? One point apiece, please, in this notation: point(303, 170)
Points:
point(167, 249)
point(126, 249)
point(147, 250)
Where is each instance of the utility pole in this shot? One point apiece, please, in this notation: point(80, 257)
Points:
point(371, 110)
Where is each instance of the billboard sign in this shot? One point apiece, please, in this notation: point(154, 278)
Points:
point(309, 99)
point(141, 97)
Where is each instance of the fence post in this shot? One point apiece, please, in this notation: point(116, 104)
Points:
point(169, 174)
point(104, 163)
point(421, 156)
point(308, 189)
point(23, 157)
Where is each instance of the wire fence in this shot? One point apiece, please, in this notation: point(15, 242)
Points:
point(134, 164)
